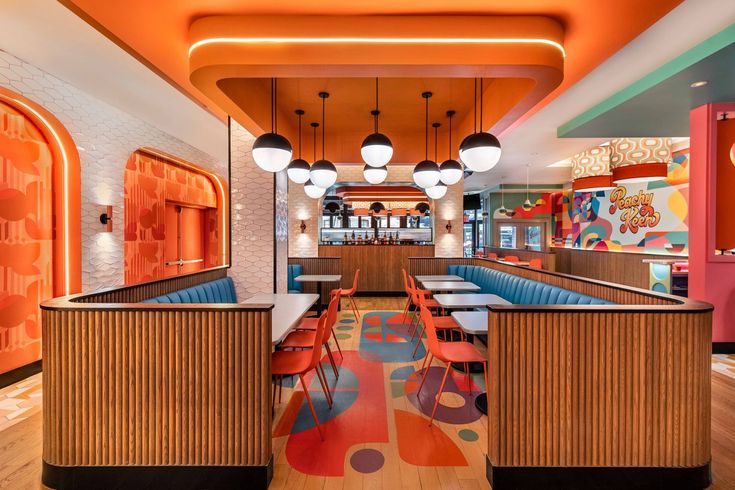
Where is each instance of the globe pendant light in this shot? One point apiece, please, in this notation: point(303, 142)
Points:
point(527, 205)
point(313, 191)
point(298, 170)
point(450, 170)
point(502, 209)
point(271, 151)
point(323, 173)
point(426, 173)
point(440, 189)
point(480, 151)
point(376, 149)
point(375, 175)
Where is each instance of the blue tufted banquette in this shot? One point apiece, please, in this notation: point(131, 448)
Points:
point(519, 290)
point(294, 271)
point(219, 291)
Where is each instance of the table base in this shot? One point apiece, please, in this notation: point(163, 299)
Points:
point(481, 403)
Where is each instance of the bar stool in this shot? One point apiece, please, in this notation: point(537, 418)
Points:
point(448, 352)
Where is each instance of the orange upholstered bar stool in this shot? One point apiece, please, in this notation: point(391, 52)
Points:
point(535, 264)
point(350, 294)
point(298, 363)
point(448, 352)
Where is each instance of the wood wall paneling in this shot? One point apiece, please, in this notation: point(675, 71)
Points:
point(548, 259)
point(380, 265)
point(318, 265)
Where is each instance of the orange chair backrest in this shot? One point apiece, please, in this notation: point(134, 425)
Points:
point(511, 258)
point(316, 353)
point(430, 329)
point(354, 282)
point(405, 281)
point(332, 311)
point(535, 263)
point(413, 290)
point(491, 255)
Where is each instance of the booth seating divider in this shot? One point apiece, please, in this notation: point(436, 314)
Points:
point(218, 291)
point(520, 290)
point(294, 271)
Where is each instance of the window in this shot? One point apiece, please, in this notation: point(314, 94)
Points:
point(533, 237)
point(395, 222)
point(507, 236)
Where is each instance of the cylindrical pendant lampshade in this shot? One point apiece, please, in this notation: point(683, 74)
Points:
point(591, 170)
point(639, 159)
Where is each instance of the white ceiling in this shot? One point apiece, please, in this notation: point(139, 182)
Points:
point(49, 36)
point(534, 141)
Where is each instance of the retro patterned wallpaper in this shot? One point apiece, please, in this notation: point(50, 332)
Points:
point(645, 218)
point(106, 137)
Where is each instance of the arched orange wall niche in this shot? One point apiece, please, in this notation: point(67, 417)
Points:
point(155, 183)
point(40, 215)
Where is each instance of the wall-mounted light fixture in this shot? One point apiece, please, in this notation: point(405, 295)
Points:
point(303, 226)
point(449, 227)
point(106, 218)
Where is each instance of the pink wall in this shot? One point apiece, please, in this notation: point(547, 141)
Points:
point(711, 277)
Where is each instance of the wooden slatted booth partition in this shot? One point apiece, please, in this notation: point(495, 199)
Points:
point(137, 393)
point(590, 396)
point(317, 266)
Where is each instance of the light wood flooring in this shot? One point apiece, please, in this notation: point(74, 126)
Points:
point(21, 445)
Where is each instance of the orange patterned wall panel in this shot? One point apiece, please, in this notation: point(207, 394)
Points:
point(151, 182)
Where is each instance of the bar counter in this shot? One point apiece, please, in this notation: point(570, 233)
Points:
point(380, 265)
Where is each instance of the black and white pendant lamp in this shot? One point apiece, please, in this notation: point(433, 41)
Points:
point(376, 149)
point(271, 151)
point(426, 173)
point(440, 189)
point(323, 173)
point(375, 175)
point(527, 205)
point(298, 169)
point(450, 170)
point(480, 151)
point(312, 190)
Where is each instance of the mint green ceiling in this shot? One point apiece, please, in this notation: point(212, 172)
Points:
point(659, 103)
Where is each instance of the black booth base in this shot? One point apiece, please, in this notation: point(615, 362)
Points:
point(597, 478)
point(156, 477)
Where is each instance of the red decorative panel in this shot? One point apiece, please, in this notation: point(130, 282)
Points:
point(26, 236)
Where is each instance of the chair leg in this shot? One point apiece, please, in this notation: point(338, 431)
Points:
point(423, 378)
point(331, 360)
point(405, 310)
point(355, 310)
point(322, 381)
point(430, 357)
point(280, 388)
point(326, 383)
point(418, 342)
point(311, 406)
point(439, 395)
point(275, 388)
point(334, 336)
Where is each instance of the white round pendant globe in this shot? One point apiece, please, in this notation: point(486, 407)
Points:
point(480, 158)
point(375, 175)
point(437, 192)
point(376, 150)
point(271, 159)
point(426, 174)
point(298, 171)
point(313, 191)
point(323, 173)
point(451, 172)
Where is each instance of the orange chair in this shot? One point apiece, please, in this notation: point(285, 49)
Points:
point(511, 258)
point(408, 295)
point(292, 363)
point(430, 303)
point(491, 255)
point(445, 324)
point(535, 264)
point(350, 293)
point(480, 253)
point(448, 352)
point(303, 339)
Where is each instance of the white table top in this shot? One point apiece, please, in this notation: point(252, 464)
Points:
point(439, 278)
point(451, 286)
point(318, 278)
point(471, 322)
point(288, 309)
point(469, 300)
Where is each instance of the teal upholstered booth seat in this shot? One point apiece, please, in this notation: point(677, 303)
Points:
point(519, 290)
point(294, 271)
point(219, 291)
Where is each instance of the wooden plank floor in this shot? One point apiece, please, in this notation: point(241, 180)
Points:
point(21, 445)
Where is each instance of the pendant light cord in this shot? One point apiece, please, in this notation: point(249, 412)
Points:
point(324, 100)
point(450, 135)
point(526, 182)
point(377, 108)
point(481, 104)
point(474, 98)
point(299, 136)
point(436, 141)
point(273, 106)
point(427, 129)
point(314, 125)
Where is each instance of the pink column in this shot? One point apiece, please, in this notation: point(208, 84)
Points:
point(711, 277)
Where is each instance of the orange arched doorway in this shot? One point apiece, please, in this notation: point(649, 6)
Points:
point(40, 254)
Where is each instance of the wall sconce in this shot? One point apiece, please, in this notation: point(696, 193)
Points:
point(106, 218)
point(449, 227)
point(303, 226)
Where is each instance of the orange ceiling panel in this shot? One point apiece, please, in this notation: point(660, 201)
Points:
point(158, 32)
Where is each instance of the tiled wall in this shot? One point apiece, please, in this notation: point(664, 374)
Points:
point(253, 224)
point(105, 136)
point(302, 207)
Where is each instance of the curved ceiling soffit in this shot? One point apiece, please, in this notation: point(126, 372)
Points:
point(498, 47)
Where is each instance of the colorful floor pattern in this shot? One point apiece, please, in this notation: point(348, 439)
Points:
point(377, 420)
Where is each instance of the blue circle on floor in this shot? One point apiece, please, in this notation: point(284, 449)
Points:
point(347, 321)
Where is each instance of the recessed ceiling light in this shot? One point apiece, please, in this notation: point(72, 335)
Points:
point(698, 84)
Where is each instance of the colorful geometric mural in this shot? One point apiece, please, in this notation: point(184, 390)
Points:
point(646, 218)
